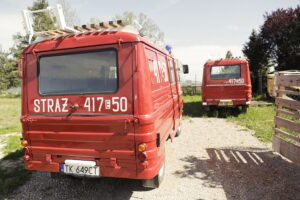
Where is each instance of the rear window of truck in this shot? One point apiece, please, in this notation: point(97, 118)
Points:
point(79, 73)
point(225, 72)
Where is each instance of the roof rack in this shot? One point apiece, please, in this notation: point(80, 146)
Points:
point(54, 12)
point(63, 30)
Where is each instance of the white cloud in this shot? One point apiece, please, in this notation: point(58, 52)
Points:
point(10, 23)
point(233, 28)
point(196, 56)
point(173, 1)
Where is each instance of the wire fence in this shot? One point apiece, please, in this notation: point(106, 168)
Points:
point(191, 89)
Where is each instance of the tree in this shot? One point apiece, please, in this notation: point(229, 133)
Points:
point(71, 16)
point(8, 72)
point(228, 55)
point(281, 32)
point(275, 44)
point(41, 22)
point(256, 52)
point(150, 29)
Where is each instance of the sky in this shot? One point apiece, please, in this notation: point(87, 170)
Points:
point(197, 30)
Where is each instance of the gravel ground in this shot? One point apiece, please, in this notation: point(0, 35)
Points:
point(212, 159)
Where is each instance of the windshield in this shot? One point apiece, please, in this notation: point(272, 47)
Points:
point(225, 72)
point(79, 73)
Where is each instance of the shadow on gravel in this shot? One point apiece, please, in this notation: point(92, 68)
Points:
point(195, 109)
point(12, 173)
point(41, 186)
point(246, 174)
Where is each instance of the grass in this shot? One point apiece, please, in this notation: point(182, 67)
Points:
point(257, 118)
point(10, 109)
point(12, 172)
point(12, 144)
point(192, 107)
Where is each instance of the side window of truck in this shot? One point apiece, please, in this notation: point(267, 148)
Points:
point(177, 68)
point(171, 70)
point(163, 68)
point(153, 68)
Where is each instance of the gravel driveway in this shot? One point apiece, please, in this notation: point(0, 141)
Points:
point(212, 159)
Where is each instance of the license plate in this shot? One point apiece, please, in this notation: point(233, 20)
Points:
point(81, 168)
point(226, 103)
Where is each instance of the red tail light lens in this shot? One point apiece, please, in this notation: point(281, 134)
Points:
point(142, 156)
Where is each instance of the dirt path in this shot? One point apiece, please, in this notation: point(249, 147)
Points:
point(212, 159)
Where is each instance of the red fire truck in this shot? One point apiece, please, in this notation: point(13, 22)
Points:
point(100, 101)
point(226, 82)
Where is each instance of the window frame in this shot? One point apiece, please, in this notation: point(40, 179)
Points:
point(72, 53)
point(224, 66)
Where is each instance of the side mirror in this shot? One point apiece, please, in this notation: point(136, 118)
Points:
point(185, 69)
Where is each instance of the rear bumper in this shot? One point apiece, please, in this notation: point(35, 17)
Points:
point(105, 171)
point(235, 102)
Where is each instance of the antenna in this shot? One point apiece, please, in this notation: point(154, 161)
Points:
point(55, 12)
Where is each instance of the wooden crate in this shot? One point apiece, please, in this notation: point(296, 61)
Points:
point(286, 139)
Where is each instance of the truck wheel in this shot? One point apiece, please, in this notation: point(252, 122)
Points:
point(178, 132)
point(157, 180)
point(244, 108)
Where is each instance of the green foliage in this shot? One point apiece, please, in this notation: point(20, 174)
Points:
point(8, 61)
point(229, 55)
point(258, 118)
point(8, 72)
point(10, 111)
point(12, 144)
point(42, 21)
point(277, 43)
point(256, 52)
point(150, 29)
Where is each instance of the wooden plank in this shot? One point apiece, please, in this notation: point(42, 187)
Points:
point(113, 24)
point(288, 79)
point(103, 25)
point(78, 28)
point(288, 150)
point(293, 126)
point(288, 92)
point(288, 103)
point(67, 31)
point(85, 27)
point(278, 131)
point(296, 115)
point(59, 32)
point(95, 27)
point(120, 23)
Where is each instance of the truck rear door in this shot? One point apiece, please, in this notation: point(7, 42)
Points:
point(80, 104)
point(226, 82)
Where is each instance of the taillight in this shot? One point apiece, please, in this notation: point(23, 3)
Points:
point(142, 156)
point(24, 143)
point(27, 154)
point(141, 147)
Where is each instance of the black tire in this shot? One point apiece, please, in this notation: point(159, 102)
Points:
point(179, 131)
point(244, 108)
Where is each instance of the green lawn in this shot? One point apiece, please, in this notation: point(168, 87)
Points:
point(257, 118)
point(10, 109)
point(15, 175)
